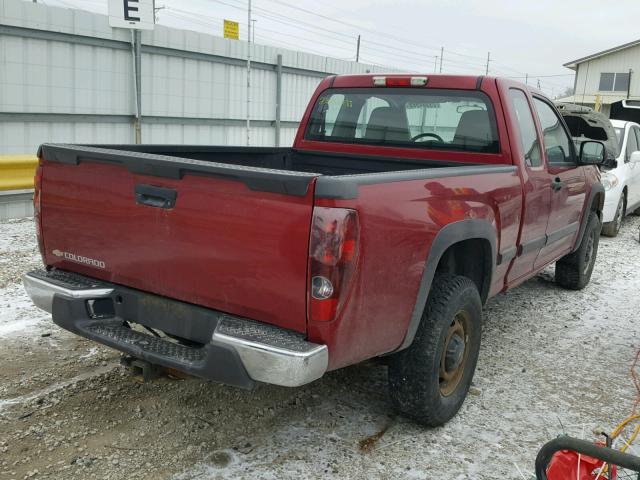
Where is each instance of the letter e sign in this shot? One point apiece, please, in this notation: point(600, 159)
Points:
point(136, 14)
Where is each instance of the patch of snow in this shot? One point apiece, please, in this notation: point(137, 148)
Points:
point(18, 315)
point(17, 235)
point(92, 352)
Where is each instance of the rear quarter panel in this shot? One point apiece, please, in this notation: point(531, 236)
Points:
point(398, 223)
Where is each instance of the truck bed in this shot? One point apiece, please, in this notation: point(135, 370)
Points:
point(222, 227)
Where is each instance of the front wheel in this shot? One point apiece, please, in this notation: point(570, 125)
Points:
point(430, 379)
point(574, 270)
point(611, 229)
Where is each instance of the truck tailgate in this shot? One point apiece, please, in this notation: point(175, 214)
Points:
point(235, 239)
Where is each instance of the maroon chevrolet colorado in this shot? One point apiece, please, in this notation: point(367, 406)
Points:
point(405, 203)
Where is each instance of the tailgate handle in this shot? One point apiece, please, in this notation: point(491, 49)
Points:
point(158, 197)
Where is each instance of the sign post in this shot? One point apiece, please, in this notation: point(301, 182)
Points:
point(134, 15)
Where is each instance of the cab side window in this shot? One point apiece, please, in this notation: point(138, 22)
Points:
point(557, 143)
point(527, 127)
point(632, 143)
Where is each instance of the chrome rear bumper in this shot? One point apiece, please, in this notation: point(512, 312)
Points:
point(239, 351)
point(42, 291)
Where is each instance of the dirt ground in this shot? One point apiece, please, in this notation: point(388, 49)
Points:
point(552, 360)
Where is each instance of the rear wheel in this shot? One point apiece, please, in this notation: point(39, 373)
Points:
point(611, 229)
point(430, 379)
point(574, 270)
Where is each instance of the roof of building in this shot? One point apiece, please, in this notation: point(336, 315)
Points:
point(574, 63)
point(582, 99)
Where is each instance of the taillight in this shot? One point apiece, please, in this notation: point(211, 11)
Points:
point(37, 203)
point(333, 251)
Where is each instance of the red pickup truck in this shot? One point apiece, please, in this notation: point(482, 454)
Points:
point(405, 204)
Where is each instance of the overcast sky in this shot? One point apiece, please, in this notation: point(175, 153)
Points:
point(533, 37)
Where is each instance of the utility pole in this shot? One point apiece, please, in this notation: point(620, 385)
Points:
point(358, 50)
point(435, 64)
point(526, 79)
point(155, 12)
point(538, 84)
point(441, 55)
point(486, 72)
point(249, 74)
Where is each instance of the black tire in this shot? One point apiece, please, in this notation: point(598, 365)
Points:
point(417, 383)
point(611, 229)
point(573, 271)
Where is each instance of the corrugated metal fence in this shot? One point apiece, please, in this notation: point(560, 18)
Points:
point(66, 76)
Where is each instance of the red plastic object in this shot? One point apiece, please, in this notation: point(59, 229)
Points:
point(564, 466)
point(333, 249)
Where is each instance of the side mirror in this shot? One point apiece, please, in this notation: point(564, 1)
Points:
point(592, 153)
point(635, 157)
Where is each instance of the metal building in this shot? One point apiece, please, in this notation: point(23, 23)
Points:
point(66, 76)
point(609, 81)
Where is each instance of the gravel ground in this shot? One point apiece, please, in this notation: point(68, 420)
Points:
point(552, 361)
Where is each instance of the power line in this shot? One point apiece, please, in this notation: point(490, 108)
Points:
point(187, 16)
point(198, 19)
point(411, 55)
point(279, 44)
point(547, 76)
point(291, 21)
point(295, 22)
point(387, 52)
point(359, 27)
point(383, 50)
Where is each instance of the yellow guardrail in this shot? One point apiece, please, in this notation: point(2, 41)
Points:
point(17, 171)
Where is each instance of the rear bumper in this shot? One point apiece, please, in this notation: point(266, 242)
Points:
point(227, 349)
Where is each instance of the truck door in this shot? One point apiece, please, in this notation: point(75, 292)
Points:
point(537, 190)
point(567, 182)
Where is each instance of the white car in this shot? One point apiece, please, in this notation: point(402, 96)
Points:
point(622, 184)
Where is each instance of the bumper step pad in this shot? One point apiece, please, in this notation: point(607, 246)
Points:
point(122, 335)
point(69, 280)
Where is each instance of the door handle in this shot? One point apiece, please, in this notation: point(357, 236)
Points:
point(557, 184)
point(159, 197)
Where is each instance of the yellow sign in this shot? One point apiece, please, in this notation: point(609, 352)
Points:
point(231, 30)
point(598, 103)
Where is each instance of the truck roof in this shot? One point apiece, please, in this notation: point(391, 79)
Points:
point(434, 80)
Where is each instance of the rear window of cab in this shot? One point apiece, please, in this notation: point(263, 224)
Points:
point(404, 117)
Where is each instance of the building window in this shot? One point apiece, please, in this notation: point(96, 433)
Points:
point(614, 82)
point(621, 83)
